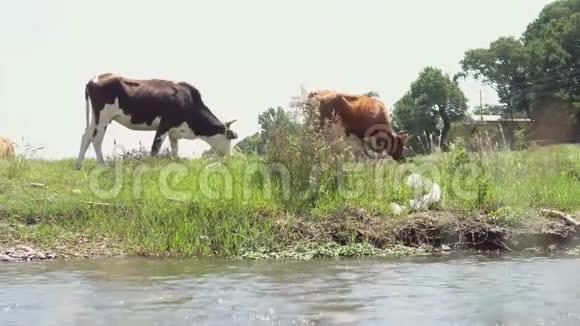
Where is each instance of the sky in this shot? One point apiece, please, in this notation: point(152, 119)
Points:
point(243, 56)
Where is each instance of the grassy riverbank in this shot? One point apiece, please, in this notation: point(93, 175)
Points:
point(245, 205)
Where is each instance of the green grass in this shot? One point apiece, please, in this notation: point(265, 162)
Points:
point(219, 206)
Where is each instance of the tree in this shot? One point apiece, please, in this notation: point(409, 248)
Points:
point(373, 94)
point(489, 109)
point(541, 67)
point(272, 119)
point(409, 115)
point(504, 67)
point(434, 95)
point(270, 122)
point(251, 145)
point(553, 43)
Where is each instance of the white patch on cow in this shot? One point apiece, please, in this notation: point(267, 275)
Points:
point(125, 120)
point(112, 112)
point(182, 131)
point(96, 131)
point(219, 143)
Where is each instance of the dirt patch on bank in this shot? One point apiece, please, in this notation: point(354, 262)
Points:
point(347, 226)
point(16, 245)
point(24, 252)
point(436, 229)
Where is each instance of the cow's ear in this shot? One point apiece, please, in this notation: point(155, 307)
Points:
point(229, 123)
point(404, 136)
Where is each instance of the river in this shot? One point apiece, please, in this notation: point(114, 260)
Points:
point(476, 290)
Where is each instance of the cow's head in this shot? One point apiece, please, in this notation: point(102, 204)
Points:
point(399, 146)
point(222, 141)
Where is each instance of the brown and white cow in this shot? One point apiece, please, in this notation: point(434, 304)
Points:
point(172, 109)
point(364, 117)
point(6, 147)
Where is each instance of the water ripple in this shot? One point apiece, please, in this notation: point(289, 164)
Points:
point(470, 291)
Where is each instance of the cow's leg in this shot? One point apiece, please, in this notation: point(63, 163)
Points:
point(85, 142)
point(160, 136)
point(95, 134)
point(174, 146)
point(104, 119)
point(98, 141)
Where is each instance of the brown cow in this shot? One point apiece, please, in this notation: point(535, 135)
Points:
point(365, 117)
point(6, 148)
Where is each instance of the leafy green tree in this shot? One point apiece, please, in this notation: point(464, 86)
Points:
point(272, 119)
point(270, 122)
point(504, 67)
point(415, 119)
point(251, 145)
point(553, 41)
point(540, 67)
point(372, 94)
point(489, 109)
point(433, 96)
point(409, 115)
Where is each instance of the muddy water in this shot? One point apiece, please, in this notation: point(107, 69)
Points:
point(418, 291)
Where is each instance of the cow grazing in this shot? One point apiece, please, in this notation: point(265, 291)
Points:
point(363, 117)
point(172, 109)
point(6, 147)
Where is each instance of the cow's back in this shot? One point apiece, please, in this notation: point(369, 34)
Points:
point(155, 91)
point(135, 88)
point(357, 113)
point(143, 99)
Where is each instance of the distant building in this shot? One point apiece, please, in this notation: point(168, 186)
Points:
point(555, 122)
point(480, 131)
point(474, 119)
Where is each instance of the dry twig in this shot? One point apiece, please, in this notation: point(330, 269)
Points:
point(98, 204)
point(568, 218)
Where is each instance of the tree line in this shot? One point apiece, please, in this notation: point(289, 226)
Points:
point(529, 73)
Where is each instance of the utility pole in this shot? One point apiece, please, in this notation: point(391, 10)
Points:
point(480, 106)
point(512, 132)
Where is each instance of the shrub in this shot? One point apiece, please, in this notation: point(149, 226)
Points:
point(506, 216)
point(314, 156)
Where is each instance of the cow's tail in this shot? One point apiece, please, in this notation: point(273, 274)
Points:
point(87, 108)
point(88, 102)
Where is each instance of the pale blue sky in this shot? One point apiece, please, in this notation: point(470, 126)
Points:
point(244, 56)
